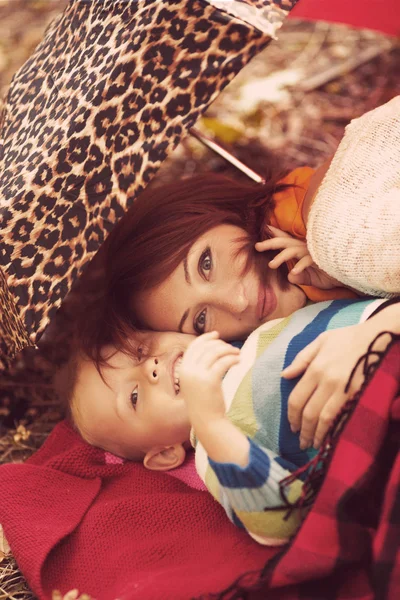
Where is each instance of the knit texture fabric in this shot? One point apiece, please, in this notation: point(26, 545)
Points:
point(354, 223)
point(256, 398)
point(287, 216)
point(113, 529)
point(75, 518)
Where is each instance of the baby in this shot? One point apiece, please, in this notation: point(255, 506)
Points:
point(150, 408)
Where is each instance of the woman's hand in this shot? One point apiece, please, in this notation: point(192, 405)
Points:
point(305, 272)
point(327, 364)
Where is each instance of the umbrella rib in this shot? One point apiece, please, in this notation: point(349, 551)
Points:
point(212, 145)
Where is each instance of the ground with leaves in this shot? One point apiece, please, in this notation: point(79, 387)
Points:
point(294, 100)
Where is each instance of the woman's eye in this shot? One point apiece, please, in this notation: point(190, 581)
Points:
point(134, 397)
point(205, 263)
point(200, 322)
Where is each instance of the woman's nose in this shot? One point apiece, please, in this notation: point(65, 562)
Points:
point(234, 299)
point(241, 302)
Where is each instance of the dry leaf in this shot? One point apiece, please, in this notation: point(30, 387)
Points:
point(5, 550)
point(71, 595)
point(222, 131)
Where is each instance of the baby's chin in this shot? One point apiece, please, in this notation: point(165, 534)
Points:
point(126, 453)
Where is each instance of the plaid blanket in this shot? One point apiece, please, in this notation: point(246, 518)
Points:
point(349, 545)
point(77, 517)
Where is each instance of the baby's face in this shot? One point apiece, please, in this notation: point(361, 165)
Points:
point(137, 404)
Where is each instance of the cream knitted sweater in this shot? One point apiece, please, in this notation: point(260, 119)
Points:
point(353, 230)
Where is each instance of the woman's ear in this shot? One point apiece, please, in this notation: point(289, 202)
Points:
point(164, 458)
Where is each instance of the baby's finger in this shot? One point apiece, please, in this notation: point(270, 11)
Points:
point(210, 335)
point(223, 364)
point(215, 350)
point(276, 244)
point(279, 232)
point(304, 263)
point(285, 256)
point(201, 341)
point(198, 346)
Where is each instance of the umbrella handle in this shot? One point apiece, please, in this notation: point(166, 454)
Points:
point(212, 145)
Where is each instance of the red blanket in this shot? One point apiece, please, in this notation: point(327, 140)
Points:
point(77, 517)
point(381, 15)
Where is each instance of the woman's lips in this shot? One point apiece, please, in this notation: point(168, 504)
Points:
point(266, 302)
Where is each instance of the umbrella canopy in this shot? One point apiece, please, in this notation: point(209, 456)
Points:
point(89, 119)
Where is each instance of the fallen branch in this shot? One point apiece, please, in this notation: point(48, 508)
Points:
point(319, 79)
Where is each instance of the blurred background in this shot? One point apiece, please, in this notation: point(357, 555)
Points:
point(294, 100)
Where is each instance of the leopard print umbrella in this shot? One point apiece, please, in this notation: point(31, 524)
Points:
point(89, 119)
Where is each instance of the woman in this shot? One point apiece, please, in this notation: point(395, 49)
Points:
point(198, 237)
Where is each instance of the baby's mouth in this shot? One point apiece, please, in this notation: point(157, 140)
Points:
point(175, 374)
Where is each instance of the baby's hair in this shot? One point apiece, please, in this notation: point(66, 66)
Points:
point(65, 381)
point(66, 384)
point(98, 327)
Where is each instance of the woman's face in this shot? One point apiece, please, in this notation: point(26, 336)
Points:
point(210, 290)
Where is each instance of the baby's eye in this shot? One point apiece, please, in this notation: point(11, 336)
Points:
point(134, 397)
point(200, 322)
point(205, 264)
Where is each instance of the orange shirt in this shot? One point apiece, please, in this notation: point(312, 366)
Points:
point(287, 216)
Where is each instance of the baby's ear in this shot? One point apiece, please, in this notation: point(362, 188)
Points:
point(164, 458)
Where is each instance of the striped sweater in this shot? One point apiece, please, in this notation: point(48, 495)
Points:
point(256, 399)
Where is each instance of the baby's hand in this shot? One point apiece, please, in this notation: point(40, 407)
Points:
point(305, 272)
point(204, 364)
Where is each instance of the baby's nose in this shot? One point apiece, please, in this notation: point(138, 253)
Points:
point(153, 370)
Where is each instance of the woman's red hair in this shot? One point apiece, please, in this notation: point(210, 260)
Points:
point(157, 233)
